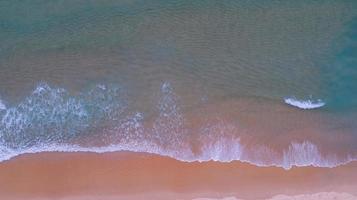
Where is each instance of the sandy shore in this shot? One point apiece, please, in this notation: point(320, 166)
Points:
point(146, 176)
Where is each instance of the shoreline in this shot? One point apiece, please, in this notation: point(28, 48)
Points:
point(130, 175)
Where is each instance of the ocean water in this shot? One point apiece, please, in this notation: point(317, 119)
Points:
point(271, 83)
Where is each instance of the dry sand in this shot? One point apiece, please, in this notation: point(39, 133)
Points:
point(125, 175)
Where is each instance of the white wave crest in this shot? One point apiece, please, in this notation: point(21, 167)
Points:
point(50, 118)
point(297, 154)
point(304, 104)
point(52, 115)
point(2, 105)
point(307, 154)
point(218, 147)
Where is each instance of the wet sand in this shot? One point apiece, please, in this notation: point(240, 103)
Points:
point(124, 175)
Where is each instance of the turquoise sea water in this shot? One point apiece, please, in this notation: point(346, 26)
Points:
point(341, 73)
point(83, 71)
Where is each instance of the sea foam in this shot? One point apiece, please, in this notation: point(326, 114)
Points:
point(51, 120)
point(304, 104)
point(2, 105)
point(316, 196)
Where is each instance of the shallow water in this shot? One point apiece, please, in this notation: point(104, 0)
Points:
point(192, 80)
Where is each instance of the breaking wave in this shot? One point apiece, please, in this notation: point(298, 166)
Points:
point(304, 104)
point(50, 119)
point(2, 105)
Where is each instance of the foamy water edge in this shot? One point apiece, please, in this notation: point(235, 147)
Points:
point(48, 107)
point(316, 196)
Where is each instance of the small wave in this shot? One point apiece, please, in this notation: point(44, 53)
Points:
point(304, 104)
point(53, 115)
point(295, 155)
point(2, 105)
point(50, 119)
point(218, 148)
point(308, 154)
